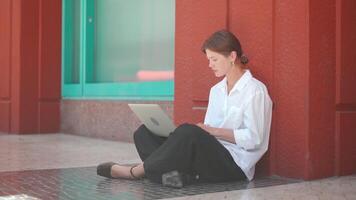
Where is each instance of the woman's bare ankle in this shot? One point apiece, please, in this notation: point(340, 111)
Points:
point(119, 171)
point(137, 171)
point(127, 172)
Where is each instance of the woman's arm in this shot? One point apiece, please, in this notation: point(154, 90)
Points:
point(219, 133)
point(257, 120)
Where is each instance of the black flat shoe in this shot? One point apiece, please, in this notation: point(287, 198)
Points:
point(104, 169)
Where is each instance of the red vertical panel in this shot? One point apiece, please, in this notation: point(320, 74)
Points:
point(5, 35)
point(33, 43)
point(183, 61)
point(347, 153)
point(49, 117)
point(50, 54)
point(49, 65)
point(209, 16)
point(252, 22)
point(195, 21)
point(345, 90)
point(348, 53)
point(15, 65)
point(5, 65)
point(321, 159)
point(29, 66)
point(5, 116)
point(290, 86)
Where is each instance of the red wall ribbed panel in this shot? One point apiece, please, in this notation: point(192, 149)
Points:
point(345, 88)
point(290, 86)
point(5, 49)
point(346, 149)
point(183, 62)
point(321, 90)
point(195, 21)
point(49, 82)
point(28, 77)
point(30, 66)
point(347, 91)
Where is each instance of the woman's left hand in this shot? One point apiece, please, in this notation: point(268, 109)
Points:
point(220, 133)
point(207, 128)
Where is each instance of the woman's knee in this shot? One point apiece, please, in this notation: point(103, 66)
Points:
point(187, 130)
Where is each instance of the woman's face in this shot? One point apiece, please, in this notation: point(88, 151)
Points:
point(220, 64)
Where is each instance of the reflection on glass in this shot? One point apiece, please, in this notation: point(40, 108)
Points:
point(76, 41)
point(72, 50)
point(134, 41)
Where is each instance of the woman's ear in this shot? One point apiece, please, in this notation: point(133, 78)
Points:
point(233, 56)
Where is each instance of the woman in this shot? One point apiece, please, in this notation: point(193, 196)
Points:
point(227, 146)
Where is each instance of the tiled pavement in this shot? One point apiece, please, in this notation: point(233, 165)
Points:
point(54, 151)
point(55, 166)
point(82, 183)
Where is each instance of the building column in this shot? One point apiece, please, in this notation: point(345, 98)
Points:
point(30, 91)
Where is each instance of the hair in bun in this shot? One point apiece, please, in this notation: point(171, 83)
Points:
point(224, 42)
point(244, 59)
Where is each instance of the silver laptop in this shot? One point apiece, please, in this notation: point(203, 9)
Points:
point(154, 118)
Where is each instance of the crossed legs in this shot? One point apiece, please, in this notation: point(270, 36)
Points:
point(189, 150)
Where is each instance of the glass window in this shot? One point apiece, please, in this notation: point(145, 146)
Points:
point(72, 43)
point(126, 48)
point(134, 40)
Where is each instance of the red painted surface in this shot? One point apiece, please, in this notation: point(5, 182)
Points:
point(49, 82)
point(290, 87)
point(348, 54)
point(321, 162)
point(345, 90)
point(195, 21)
point(209, 16)
point(15, 65)
point(30, 60)
point(346, 161)
point(29, 66)
point(5, 36)
point(49, 117)
point(4, 116)
point(183, 62)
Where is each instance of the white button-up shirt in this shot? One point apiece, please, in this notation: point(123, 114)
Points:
point(247, 110)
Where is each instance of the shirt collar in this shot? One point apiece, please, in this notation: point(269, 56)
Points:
point(240, 84)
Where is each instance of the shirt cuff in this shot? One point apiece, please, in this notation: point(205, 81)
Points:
point(243, 139)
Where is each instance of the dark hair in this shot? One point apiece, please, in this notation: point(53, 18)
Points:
point(224, 42)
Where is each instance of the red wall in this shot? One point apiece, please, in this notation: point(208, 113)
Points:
point(292, 46)
point(5, 35)
point(30, 49)
point(345, 88)
point(321, 89)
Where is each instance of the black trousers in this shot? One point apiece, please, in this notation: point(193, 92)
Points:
point(190, 150)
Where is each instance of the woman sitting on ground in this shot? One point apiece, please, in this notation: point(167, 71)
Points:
point(227, 146)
